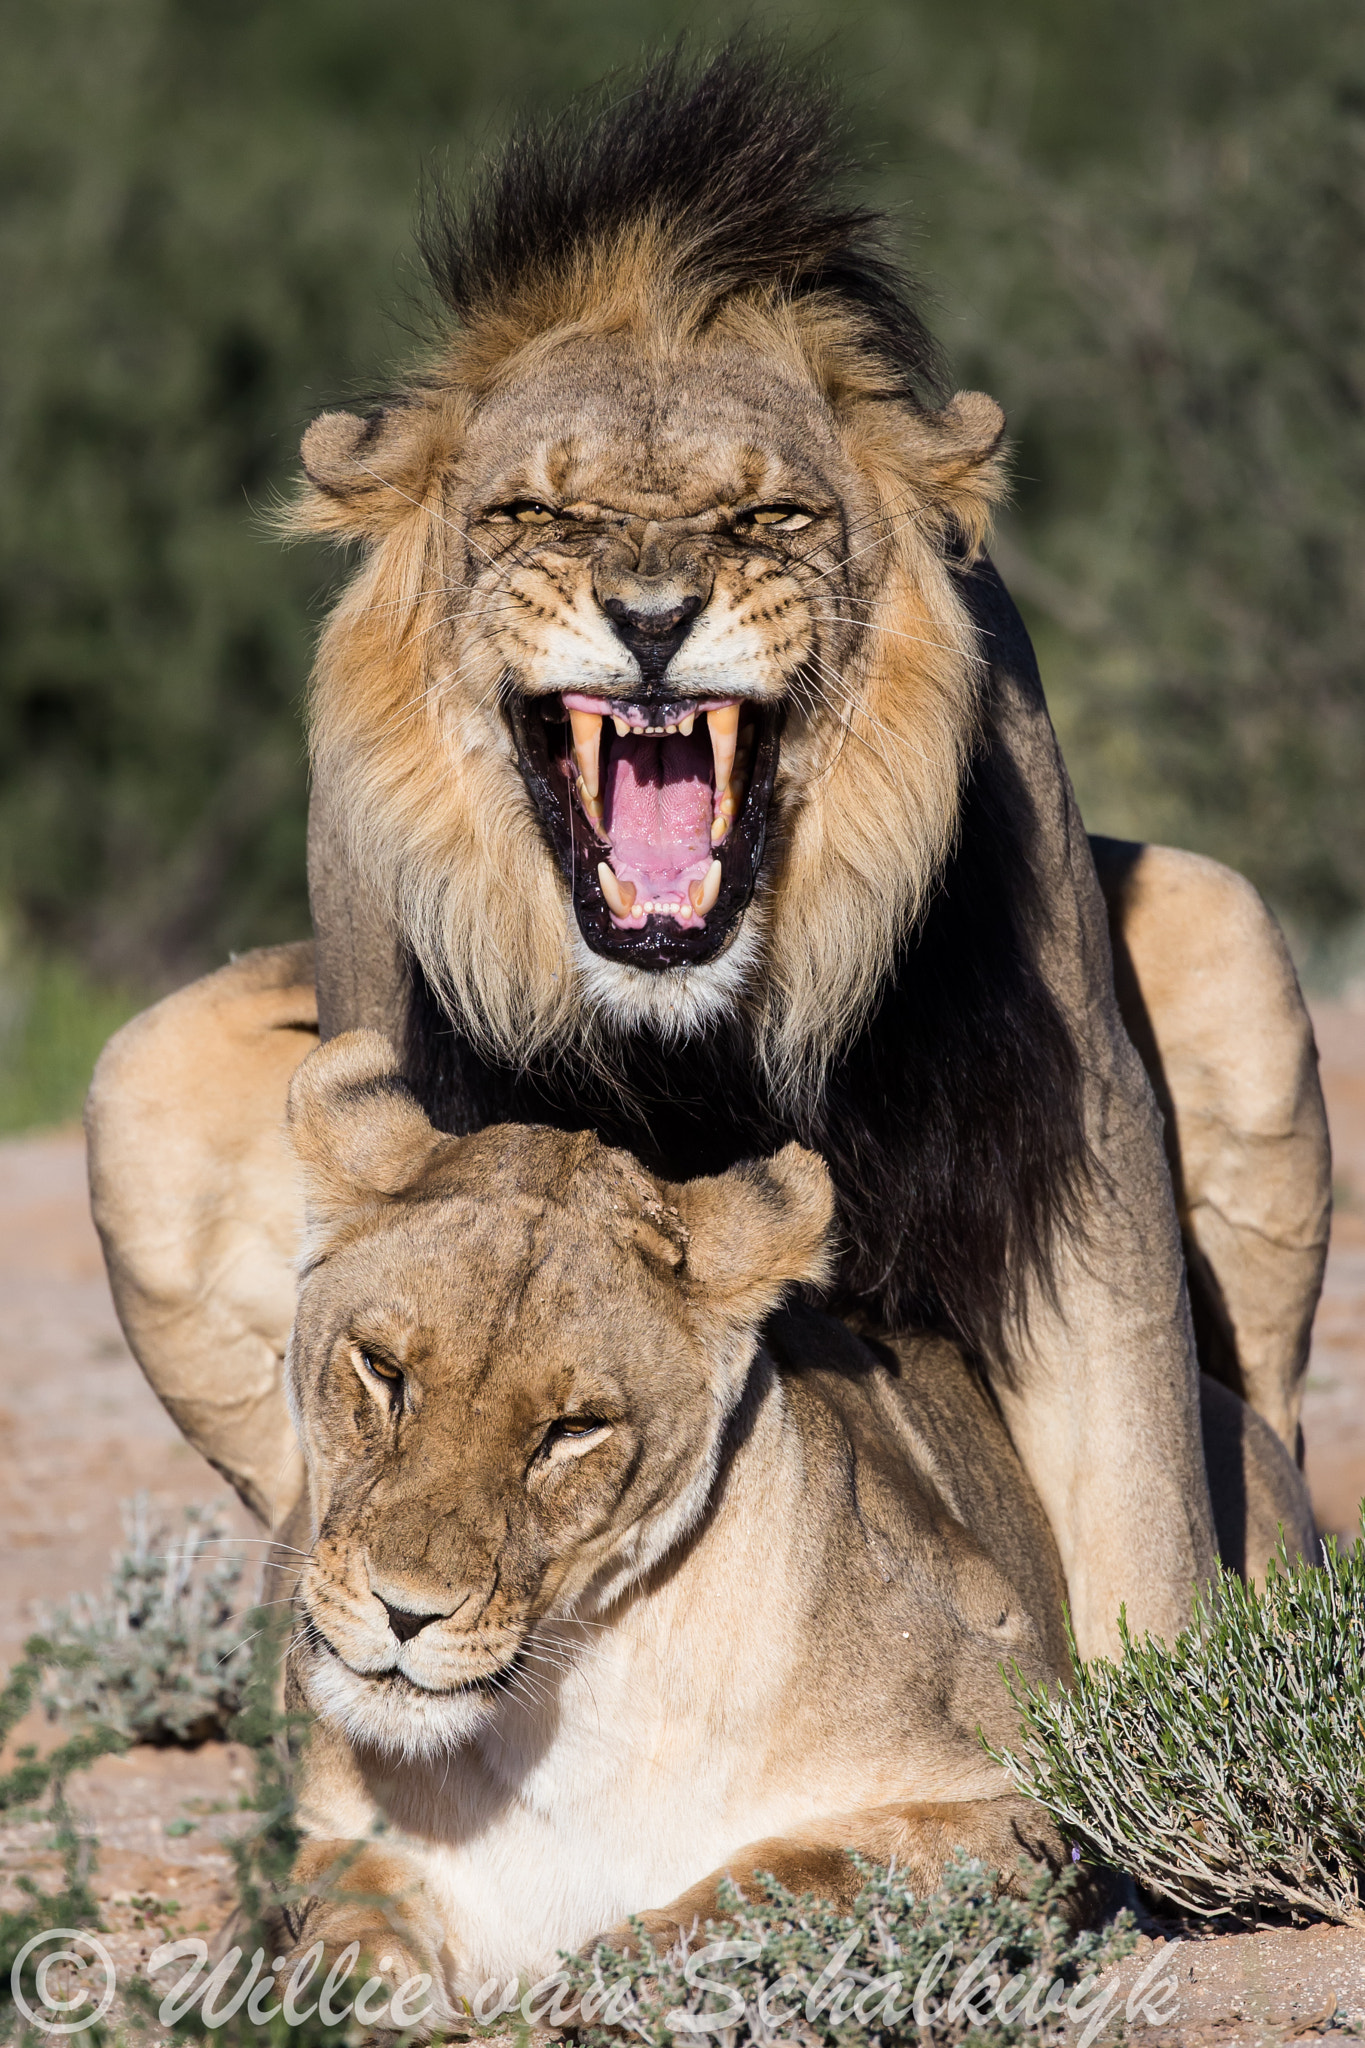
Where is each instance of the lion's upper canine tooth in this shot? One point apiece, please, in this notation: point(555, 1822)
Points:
point(587, 745)
point(724, 727)
point(620, 895)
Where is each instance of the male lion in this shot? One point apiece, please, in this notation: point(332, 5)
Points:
point(681, 772)
point(619, 1582)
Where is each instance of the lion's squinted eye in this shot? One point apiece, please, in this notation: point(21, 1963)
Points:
point(777, 518)
point(526, 512)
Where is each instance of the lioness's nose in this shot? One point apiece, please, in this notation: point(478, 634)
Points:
point(405, 1625)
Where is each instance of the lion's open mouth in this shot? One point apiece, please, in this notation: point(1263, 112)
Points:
point(657, 809)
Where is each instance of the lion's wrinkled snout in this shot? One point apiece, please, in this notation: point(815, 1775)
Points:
point(652, 601)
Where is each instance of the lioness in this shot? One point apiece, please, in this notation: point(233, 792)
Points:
point(614, 1587)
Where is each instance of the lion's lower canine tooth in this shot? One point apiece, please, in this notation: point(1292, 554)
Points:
point(705, 892)
point(587, 745)
point(724, 726)
point(620, 895)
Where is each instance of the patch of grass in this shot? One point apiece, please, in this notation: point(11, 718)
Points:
point(54, 1021)
point(1226, 1772)
point(162, 1654)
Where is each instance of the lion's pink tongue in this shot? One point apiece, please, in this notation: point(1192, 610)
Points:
point(658, 813)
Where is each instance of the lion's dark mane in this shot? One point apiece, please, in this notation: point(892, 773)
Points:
point(952, 1123)
point(742, 158)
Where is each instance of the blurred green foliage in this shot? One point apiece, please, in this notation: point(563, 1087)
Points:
point(1143, 229)
point(55, 1015)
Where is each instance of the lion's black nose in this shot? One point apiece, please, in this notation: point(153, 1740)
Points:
point(653, 633)
point(404, 1625)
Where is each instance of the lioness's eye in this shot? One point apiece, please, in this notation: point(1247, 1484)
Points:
point(572, 1430)
point(380, 1369)
point(527, 512)
point(782, 518)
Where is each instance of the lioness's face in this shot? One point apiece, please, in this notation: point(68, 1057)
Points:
point(663, 577)
point(511, 1385)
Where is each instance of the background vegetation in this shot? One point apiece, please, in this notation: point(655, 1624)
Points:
point(1142, 226)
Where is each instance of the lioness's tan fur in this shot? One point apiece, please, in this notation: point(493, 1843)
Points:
point(752, 1619)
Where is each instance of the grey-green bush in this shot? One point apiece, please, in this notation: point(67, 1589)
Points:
point(964, 1963)
point(167, 1643)
point(1226, 1772)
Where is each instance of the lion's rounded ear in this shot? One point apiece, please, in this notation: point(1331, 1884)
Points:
point(333, 451)
point(756, 1231)
point(958, 457)
point(358, 1130)
point(369, 475)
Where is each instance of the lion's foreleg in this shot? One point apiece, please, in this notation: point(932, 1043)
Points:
point(1099, 1386)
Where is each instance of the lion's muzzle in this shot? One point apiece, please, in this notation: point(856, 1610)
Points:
point(657, 807)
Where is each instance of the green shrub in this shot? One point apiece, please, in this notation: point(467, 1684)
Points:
point(910, 1960)
point(1226, 1772)
point(167, 1641)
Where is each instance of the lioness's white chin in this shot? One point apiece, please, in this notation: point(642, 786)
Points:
point(391, 1713)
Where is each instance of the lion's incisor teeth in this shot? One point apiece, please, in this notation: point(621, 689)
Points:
point(622, 726)
point(587, 745)
point(705, 892)
point(620, 895)
point(723, 723)
point(685, 725)
point(719, 827)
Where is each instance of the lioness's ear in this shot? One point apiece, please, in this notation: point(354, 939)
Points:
point(357, 1128)
point(757, 1230)
point(369, 475)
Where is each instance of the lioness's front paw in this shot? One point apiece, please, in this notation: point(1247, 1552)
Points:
point(623, 1940)
point(355, 1964)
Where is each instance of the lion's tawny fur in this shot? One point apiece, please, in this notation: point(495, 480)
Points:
point(406, 721)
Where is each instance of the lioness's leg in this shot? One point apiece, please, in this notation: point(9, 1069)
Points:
point(1210, 998)
point(1258, 1491)
point(194, 1192)
point(919, 1836)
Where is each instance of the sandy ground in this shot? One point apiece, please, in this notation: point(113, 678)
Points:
point(82, 1433)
